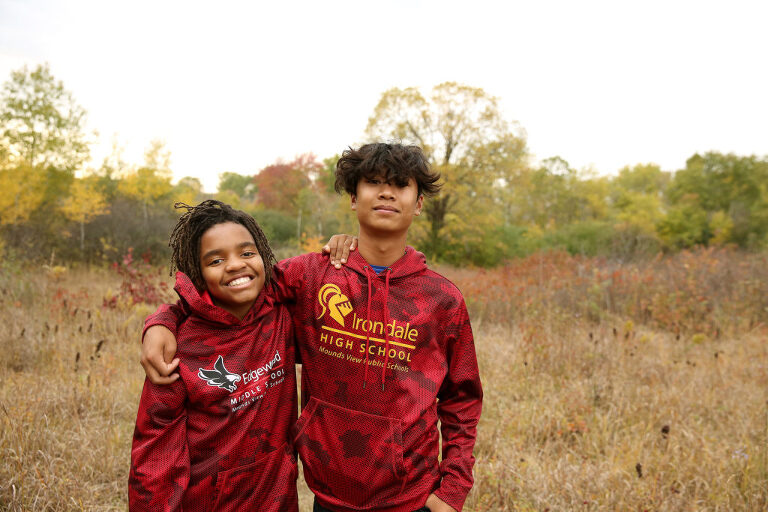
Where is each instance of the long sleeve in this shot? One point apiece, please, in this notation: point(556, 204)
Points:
point(288, 278)
point(167, 315)
point(160, 465)
point(459, 406)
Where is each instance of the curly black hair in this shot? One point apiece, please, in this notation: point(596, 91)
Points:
point(186, 235)
point(393, 161)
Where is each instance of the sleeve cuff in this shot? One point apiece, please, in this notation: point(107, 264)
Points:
point(453, 498)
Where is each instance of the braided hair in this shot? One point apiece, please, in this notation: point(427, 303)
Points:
point(186, 235)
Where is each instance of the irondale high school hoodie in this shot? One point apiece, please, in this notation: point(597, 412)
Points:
point(217, 438)
point(384, 357)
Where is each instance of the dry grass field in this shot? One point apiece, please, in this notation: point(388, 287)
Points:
point(641, 386)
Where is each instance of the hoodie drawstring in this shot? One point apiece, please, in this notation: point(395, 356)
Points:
point(368, 331)
point(370, 326)
point(386, 324)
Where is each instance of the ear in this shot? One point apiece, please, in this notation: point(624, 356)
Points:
point(354, 201)
point(419, 204)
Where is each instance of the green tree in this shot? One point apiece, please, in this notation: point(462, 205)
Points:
point(636, 197)
point(467, 140)
point(41, 122)
point(710, 188)
point(240, 185)
point(237, 190)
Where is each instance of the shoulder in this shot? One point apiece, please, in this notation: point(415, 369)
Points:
point(437, 290)
point(302, 261)
point(445, 286)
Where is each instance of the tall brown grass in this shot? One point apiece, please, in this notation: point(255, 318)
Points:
point(603, 391)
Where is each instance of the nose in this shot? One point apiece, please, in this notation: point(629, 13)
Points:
point(385, 191)
point(234, 264)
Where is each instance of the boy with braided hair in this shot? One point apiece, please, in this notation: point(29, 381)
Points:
point(217, 438)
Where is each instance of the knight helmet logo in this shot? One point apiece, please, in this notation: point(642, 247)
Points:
point(335, 302)
point(219, 376)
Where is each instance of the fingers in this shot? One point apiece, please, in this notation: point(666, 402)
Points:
point(339, 247)
point(159, 346)
point(164, 381)
point(344, 249)
point(155, 376)
point(342, 252)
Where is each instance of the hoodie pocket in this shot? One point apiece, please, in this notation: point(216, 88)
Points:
point(267, 485)
point(350, 456)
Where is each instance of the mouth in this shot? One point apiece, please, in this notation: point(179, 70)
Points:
point(386, 209)
point(239, 281)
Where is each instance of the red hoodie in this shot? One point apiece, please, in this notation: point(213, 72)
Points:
point(368, 435)
point(216, 439)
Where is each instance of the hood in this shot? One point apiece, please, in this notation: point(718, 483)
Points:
point(197, 304)
point(412, 262)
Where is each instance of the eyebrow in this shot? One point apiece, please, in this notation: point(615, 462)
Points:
point(216, 251)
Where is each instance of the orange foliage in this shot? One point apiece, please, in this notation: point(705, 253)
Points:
point(708, 291)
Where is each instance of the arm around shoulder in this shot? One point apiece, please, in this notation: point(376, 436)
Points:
point(159, 343)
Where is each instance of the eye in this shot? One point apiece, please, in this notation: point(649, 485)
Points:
point(215, 261)
point(250, 254)
point(373, 181)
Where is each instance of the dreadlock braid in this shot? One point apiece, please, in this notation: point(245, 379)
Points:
point(186, 235)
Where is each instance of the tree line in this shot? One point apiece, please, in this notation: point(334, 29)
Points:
point(495, 203)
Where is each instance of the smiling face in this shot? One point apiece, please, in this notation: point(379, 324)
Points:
point(232, 268)
point(385, 206)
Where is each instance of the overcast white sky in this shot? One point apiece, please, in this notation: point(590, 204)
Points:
point(232, 86)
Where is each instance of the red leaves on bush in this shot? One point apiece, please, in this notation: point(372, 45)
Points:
point(141, 282)
point(707, 290)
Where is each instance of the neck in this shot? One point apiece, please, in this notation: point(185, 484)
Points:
point(381, 251)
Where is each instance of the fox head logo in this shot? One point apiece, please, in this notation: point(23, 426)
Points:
point(219, 376)
point(335, 302)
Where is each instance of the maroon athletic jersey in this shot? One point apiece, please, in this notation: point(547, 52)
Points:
point(217, 438)
point(384, 357)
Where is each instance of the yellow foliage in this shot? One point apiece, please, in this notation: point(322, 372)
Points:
point(311, 243)
point(85, 202)
point(721, 225)
point(23, 189)
point(698, 338)
point(56, 272)
point(228, 197)
point(146, 184)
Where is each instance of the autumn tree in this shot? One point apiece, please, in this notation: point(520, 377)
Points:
point(23, 190)
point(466, 139)
point(278, 185)
point(42, 143)
point(150, 182)
point(188, 190)
point(84, 202)
point(290, 188)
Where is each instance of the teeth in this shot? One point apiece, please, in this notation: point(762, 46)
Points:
point(239, 281)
